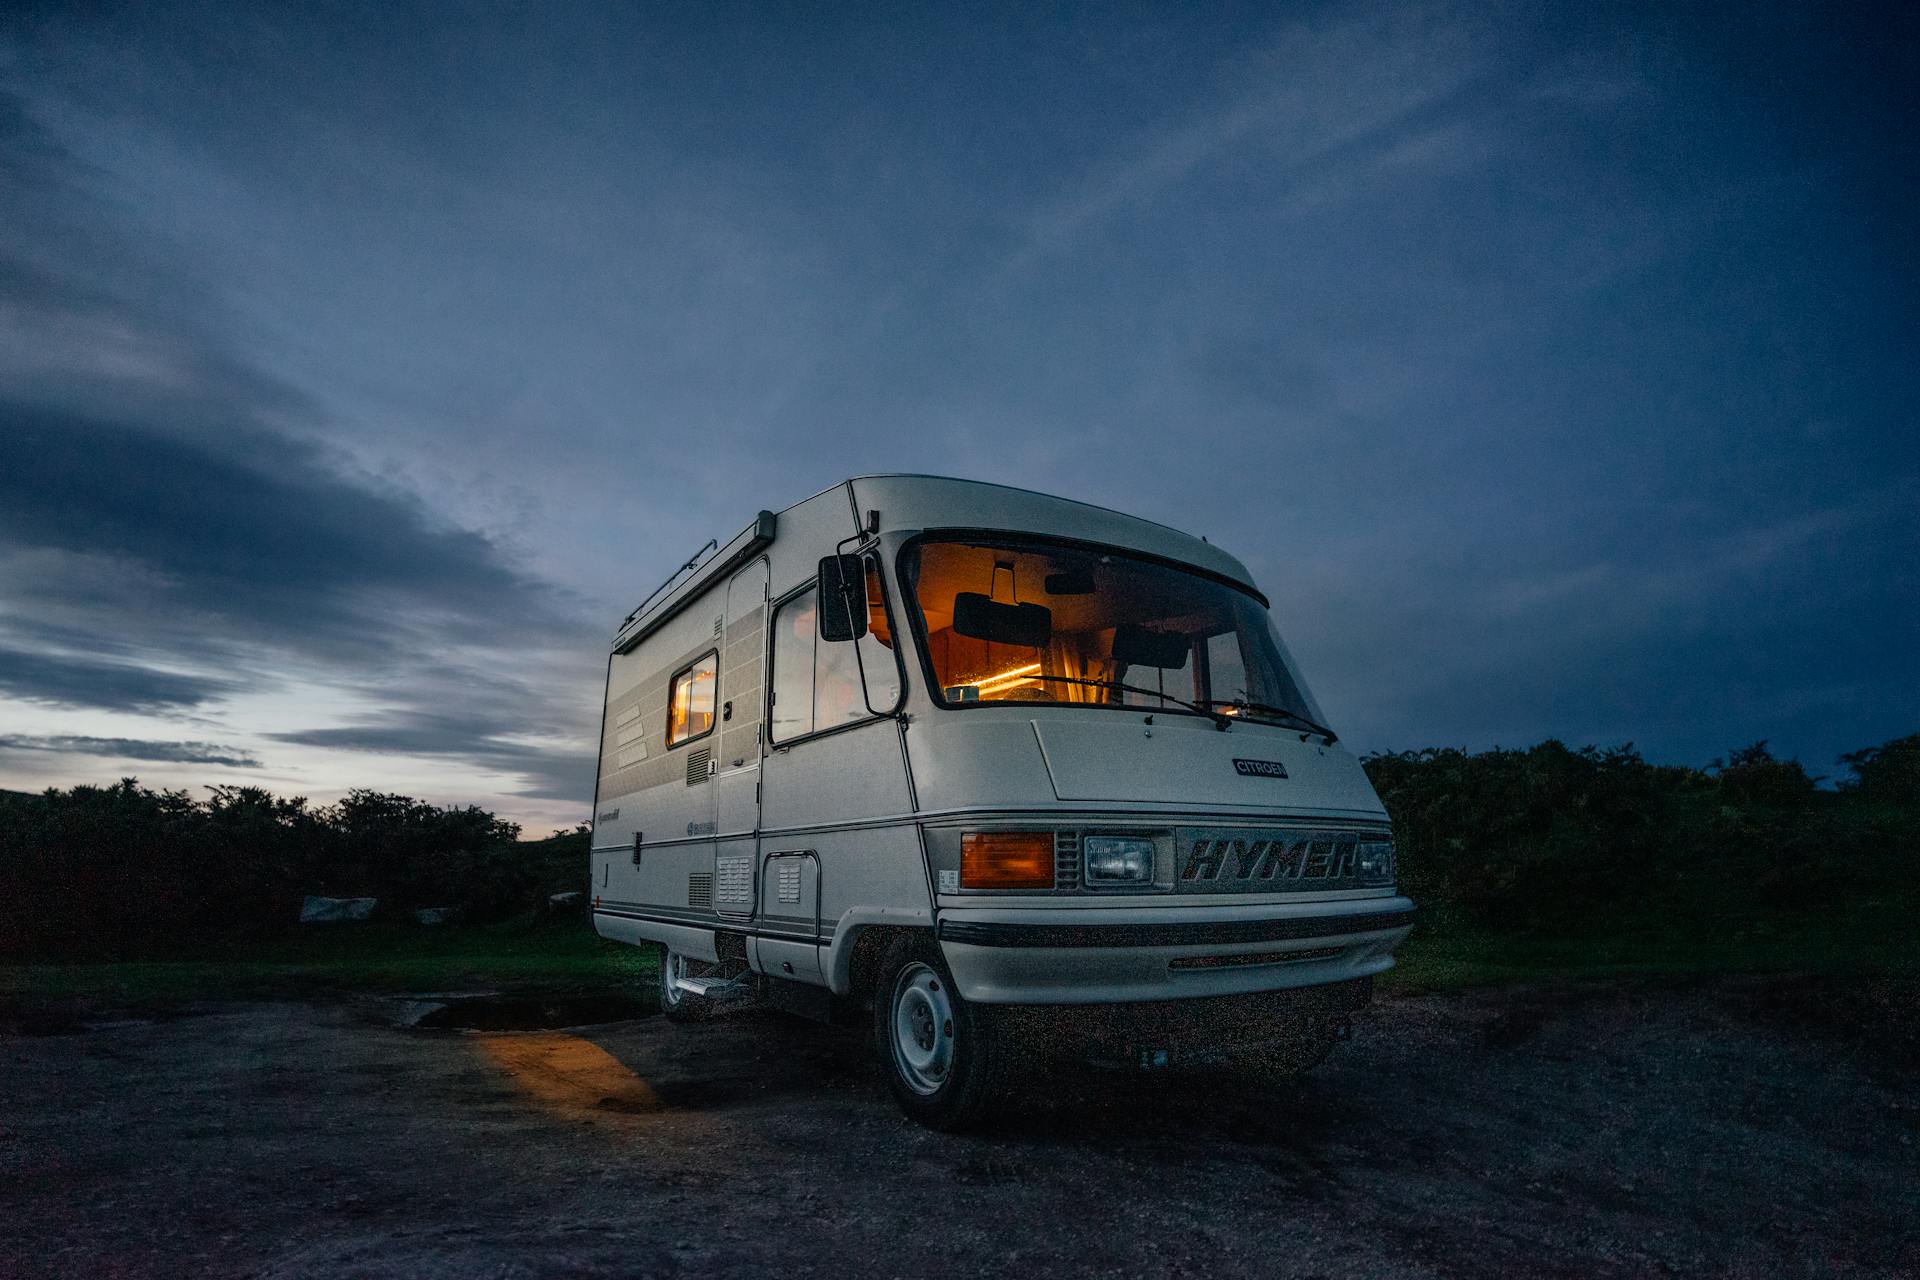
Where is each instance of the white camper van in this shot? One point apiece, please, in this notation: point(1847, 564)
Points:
point(1021, 774)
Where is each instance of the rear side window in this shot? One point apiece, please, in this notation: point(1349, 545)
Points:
point(690, 701)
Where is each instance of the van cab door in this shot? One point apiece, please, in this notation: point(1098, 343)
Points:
point(834, 783)
point(737, 758)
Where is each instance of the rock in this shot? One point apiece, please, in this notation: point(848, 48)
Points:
point(336, 910)
point(433, 915)
point(568, 899)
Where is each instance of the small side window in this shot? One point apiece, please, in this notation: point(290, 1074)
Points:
point(690, 701)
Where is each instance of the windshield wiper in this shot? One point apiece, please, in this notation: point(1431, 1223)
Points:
point(1268, 709)
point(1220, 720)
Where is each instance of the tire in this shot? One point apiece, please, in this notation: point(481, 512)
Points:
point(677, 1005)
point(944, 1058)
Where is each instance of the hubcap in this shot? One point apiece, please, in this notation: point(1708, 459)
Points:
point(922, 1029)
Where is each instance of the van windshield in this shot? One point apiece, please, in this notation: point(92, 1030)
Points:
point(1028, 621)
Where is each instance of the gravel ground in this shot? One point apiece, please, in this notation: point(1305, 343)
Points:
point(1735, 1128)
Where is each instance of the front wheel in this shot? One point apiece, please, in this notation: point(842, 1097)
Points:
point(943, 1057)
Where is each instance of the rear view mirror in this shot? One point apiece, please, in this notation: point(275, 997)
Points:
point(1138, 647)
point(843, 598)
point(978, 618)
point(1074, 582)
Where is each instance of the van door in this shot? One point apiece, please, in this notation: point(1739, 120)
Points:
point(736, 789)
point(835, 802)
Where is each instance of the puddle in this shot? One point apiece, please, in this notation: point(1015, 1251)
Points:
point(526, 1012)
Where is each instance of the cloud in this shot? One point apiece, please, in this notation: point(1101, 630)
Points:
point(133, 749)
point(256, 535)
point(115, 686)
point(1309, 94)
point(554, 774)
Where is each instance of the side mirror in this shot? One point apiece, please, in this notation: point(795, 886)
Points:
point(843, 598)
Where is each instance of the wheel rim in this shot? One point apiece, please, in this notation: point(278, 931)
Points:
point(923, 1040)
point(675, 966)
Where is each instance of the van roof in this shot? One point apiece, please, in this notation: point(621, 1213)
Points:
point(948, 501)
point(945, 502)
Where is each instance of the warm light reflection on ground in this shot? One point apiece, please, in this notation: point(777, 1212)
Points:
point(567, 1073)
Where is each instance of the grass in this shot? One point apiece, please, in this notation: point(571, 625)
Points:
point(1869, 939)
point(350, 958)
point(1875, 938)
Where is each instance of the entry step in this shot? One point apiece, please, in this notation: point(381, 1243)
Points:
point(713, 987)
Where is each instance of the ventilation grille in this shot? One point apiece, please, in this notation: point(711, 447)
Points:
point(700, 890)
point(734, 886)
point(699, 764)
point(1066, 859)
point(789, 880)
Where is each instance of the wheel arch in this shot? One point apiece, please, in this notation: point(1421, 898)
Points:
point(859, 943)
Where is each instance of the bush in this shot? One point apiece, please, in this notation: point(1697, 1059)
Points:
point(1752, 777)
point(1888, 774)
point(125, 871)
point(1595, 840)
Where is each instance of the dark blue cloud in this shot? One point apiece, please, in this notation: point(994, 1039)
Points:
point(253, 532)
point(88, 682)
point(132, 749)
point(554, 774)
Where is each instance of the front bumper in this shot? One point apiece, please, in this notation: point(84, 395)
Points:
point(1016, 955)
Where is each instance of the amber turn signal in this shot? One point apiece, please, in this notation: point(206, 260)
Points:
point(1006, 860)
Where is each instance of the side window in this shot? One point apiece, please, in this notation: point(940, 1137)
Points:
point(793, 631)
point(836, 684)
point(876, 647)
point(690, 701)
point(817, 685)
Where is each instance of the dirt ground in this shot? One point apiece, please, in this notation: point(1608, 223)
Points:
point(1736, 1128)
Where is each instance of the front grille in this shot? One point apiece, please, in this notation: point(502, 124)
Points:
point(700, 890)
point(1066, 859)
point(1242, 961)
point(1288, 860)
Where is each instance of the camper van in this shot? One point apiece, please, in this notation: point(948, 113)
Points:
point(1009, 774)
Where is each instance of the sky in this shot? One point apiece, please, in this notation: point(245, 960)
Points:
point(1551, 366)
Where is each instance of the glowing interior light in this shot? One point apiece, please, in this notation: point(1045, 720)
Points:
point(1007, 679)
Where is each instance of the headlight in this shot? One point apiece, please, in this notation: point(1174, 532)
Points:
point(1118, 859)
point(1373, 864)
